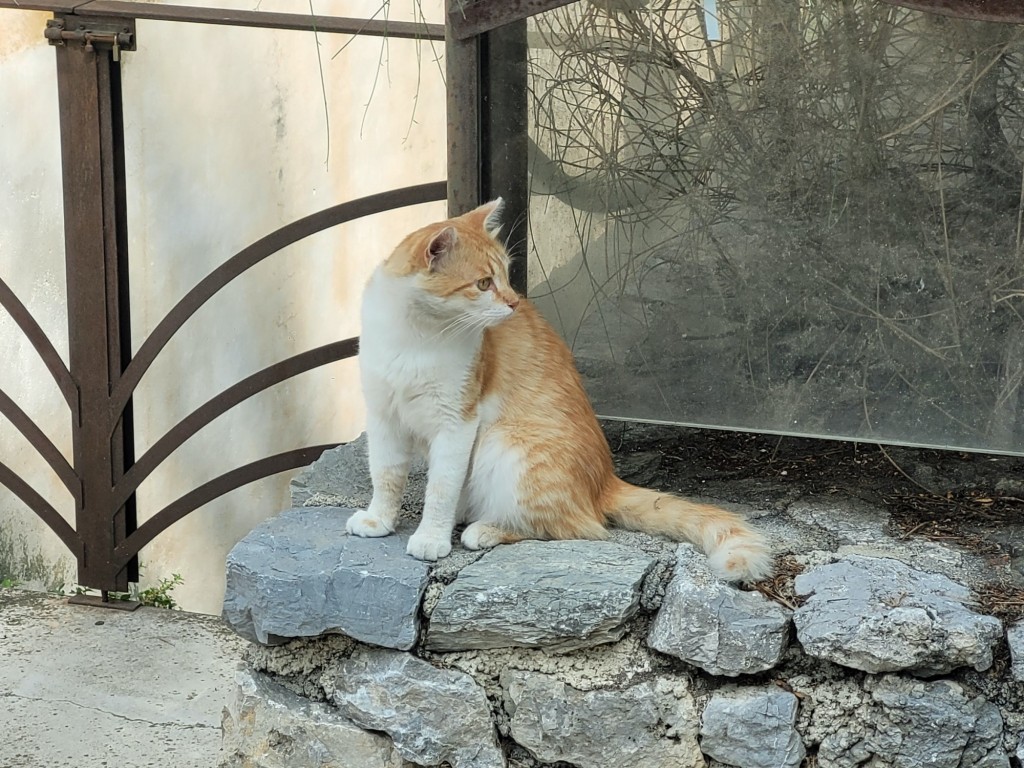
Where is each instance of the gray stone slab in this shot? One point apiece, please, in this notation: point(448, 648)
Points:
point(910, 723)
point(341, 478)
point(432, 715)
point(850, 521)
point(644, 726)
point(559, 595)
point(300, 575)
point(752, 728)
point(714, 625)
point(267, 726)
point(881, 615)
point(1015, 639)
point(342, 473)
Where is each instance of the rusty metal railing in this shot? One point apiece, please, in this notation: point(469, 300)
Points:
point(485, 51)
point(101, 378)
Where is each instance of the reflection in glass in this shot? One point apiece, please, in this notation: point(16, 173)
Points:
point(803, 218)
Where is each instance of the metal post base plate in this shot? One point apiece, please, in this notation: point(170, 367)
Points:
point(98, 602)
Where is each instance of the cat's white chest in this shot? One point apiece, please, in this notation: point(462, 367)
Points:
point(418, 389)
point(405, 376)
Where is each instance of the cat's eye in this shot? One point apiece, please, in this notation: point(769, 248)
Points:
point(484, 283)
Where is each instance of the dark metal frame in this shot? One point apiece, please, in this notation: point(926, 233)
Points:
point(486, 59)
point(102, 375)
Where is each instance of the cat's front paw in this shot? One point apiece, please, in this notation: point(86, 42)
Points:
point(482, 536)
point(429, 546)
point(368, 524)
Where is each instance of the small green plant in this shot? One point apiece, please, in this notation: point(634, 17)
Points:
point(160, 595)
point(156, 597)
point(8, 582)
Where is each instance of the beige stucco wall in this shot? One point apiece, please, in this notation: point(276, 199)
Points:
point(226, 140)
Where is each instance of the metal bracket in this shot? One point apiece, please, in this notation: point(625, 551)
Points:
point(116, 34)
point(103, 601)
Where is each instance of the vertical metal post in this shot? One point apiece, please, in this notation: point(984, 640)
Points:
point(89, 98)
point(487, 128)
point(504, 126)
point(462, 81)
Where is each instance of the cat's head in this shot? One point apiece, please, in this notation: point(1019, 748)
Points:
point(459, 269)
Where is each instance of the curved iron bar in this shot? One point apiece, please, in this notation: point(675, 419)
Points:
point(42, 344)
point(221, 403)
point(38, 440)
point(42, 508)
point(254, 254)
point(207, 492)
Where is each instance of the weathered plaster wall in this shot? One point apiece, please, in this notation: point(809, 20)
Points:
point(226, 140)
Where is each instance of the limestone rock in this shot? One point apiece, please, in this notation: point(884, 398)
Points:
point(912, 723)
point(752, 728)
point(341, 478)
point(266, 726)
point(1015, 638)
point(714, 625)
point(849, 521)
point(342, 472)
point(553, 594)
point(432, 715)
point(881, 615)
point(649, 725)
point(1020, 749)
point(300, 575)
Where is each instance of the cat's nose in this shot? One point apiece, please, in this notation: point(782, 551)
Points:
point(513, 302)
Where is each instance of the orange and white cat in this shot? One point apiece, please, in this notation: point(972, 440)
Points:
point(457, 367)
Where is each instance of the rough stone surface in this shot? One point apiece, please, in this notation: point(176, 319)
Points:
point(266, 726)
point(1020, 749)
point(854, 527)
point(649, 725)
point(752, 728)
point(911, 723)
point(432, 715)
point(300, 575)
point(342, 472)
point(715, 626)
point(1015, 638)
point(559, 595)
point(341, 478)
point(90, 687)
point(881, 615)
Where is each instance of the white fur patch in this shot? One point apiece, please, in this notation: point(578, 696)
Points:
point(480, 535)
point(365, 523)
point(494, 481)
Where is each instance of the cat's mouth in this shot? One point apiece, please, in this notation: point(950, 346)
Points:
point(497, 314)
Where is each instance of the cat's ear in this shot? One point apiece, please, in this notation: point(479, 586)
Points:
point(490, 216)
point(439, 247)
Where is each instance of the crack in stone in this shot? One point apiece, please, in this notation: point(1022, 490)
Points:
point(172, 724)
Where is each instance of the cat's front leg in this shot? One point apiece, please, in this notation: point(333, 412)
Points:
point(390, 450)
point(446, 475)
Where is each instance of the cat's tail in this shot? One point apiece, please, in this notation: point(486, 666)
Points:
point(735, 551)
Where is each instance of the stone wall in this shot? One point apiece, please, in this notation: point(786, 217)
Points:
point(872, 649)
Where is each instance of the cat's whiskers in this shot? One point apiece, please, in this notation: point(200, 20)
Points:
point(462, 324)
point(475, 322)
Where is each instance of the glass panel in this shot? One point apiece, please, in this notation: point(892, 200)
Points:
point(779, 216)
